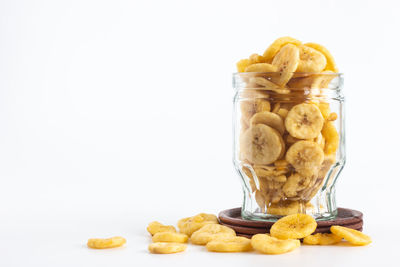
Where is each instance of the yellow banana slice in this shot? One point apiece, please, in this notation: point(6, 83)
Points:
point(207, 232)
point(286, 61)
point(250, 107)
point(102, 243)
point(319, 140)
point(304, 121)
point(282, 112)
point(353, 236)
point(261, 144)
point(256, 58)
point(284, 208)
point(266, 244)
point(325, 109)
point(248, 173)
point(331, 138)
point(229, 244)
point(190, 225)
point(260, 199)
point(243, 64)
point(306, 157)
point(170, 237)
point(329, 160)
point(156, 227)
point(330, 62)
point(293, 226)
point(294, 184)
point(166, 248)
point(260, 67)
point(268, 118)
point(311, 60)
point(314, 81)
point(332, 116)
point(274, 48)
point(268, 85)
point(321, 239)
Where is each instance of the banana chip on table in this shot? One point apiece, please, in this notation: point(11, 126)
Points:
point(156, 227)
point(103, 243)
point(266, 244)
point(208, 232)
point(354, 237)
point(166, 247)
point(322, 239)
point(229, 244)
point(190, 225)
point(170, 237)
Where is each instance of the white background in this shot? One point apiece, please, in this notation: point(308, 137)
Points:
point(117, 113)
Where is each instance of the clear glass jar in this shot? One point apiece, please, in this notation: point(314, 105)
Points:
point(289, 143)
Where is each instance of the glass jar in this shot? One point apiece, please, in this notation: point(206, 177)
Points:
point(289, 143)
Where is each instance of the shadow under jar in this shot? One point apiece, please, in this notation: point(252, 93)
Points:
point(289, 143)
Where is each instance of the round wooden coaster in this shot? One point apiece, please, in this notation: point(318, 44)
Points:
point(249, 235)
point(258, 230)
point(344, 217)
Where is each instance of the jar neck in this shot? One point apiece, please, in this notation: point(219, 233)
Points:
point(307, 86)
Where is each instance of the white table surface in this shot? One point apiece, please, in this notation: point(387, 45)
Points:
point(59, 240)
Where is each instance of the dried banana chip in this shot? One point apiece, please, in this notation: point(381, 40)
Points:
point(284, 208)
point(306, 157)
point(243, 64)
point(268, 118)
point(170, 237)
point(156, 227)
point(229, 244)
point(311, 60)
point(261, 67)
point(304, 121)
point(102, 243)
point(274, 48)
point(261, 144)
point(266, 244)
point(331, 136)
point(330, 62)
point(207, 232)
point(322, 239)
point(294, 226)
point(166, 248)
point(190, 225)
point(353, 236)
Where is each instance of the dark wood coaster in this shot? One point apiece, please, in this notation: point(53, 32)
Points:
point(249, 236)
point(344, 217)
point(258, 230)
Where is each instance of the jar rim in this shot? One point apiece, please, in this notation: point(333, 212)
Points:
point(299, 73)
point(336, 84)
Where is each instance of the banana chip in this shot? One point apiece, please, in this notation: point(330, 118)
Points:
point(170, 237)
point(353, 236)
point(190, 225)
point(156, 227)
point(229, 244)
point(322, 239)
point(293, 226)
point(166, 248)
point(207, 232)
point(102, 243)
point(266, 244)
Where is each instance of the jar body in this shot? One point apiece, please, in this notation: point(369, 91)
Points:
point(289, 144)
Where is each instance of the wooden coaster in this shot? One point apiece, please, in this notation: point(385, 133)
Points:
point(257, 230)
point(249, 236)
point(232, 218)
